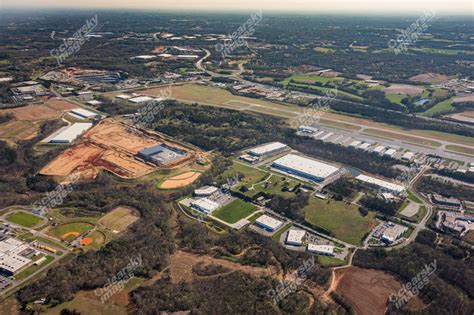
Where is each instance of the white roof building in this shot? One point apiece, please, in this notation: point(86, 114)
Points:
point(205, 191)
point(355, 144)
point(390, 152)
point(307, 129)
point(392, 233)
point(327, 250)
point(205, 205)
point(304, 167)
point(68, 134)
point(94, 102)
point(83, 113)
point(187, 56)
point(295, 237)
point(268, 223)
point(379, 150)
point(140, 99)
point(408, 156)
point(144, 57)
point(381, 183)
point(365, 146)
point(10, 260)
point(268, 149)
point(123, 97)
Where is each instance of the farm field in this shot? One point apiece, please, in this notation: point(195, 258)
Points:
point(24, 219)
point(403, 89)
point(440, 108)
point(118, 219)
point(28, 119)
point(234, 211)
point(342, 220)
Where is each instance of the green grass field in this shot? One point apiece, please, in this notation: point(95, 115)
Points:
point(278, 234)
point(443, 107)
point(24, 219)
point(32, 269)
point(234, 211)
point(342, 220)
point(79, 227)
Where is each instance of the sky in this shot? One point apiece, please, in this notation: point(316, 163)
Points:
point(464, 7)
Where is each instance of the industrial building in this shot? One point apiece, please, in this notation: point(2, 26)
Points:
point(364, 146)
point(268, 223)
point(11, 259)
point(123, 97)
point(83, 113)
point(268, 149)
point(450, 202)
point(324, 250)
point(68, 134)
point(162, 154)
point(355, 144)
point(304, 167)
point(307, 129)
point(204, 205)
point(390, 153)
point(394, 188)
point(295, 237)
point(205, 191)
point(140, 99)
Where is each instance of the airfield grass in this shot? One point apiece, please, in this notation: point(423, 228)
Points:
point(24, 219)
point(402, 137)
point(342, 220)
point(459, 149)
point(234, 211)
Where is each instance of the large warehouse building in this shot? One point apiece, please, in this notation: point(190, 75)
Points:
point(68, 134)
point(268, 223)
point(205, 205)
point(304, 167)
point(11, 259)
point(162, 154)
point(394, 188)
point(268, 149)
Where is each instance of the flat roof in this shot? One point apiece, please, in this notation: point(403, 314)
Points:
point(84, 112)
point(206, 190)
point(10, 259)
point(364, 146)
point(306, 165)
point(140, 99)
point(394, 232)
point(328, 249)
point(390, 152)
point(269, 222)
point(355, 143)
point(379, 149)
point(123, 96)
point(206, 204)
point(408, 155)
point(266, 148)
point(381, 183)
point(295, 236)
point(70, 133)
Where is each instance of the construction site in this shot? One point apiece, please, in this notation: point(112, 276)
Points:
point(118, 148)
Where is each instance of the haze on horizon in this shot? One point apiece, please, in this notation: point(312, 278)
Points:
point(461, 7)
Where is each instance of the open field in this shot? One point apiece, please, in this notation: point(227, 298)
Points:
point(403, 89)
point(368, 290)
point(234, 211)
point(24, 219)
point(251, 175)
point(410, 210)
point(342, 220)
point(28, 119)
point(33, 268)
point(467, 116)
point(182, 263)
point(118, 219)
point(112, 146)
point(433, 78)
point(461, 99)
point(65, 229)
point(178, 181)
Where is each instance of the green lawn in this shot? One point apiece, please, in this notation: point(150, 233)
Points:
point(395, 98)
point(32, 269)
point(234, 211)
point(342, 220)
point(278, 234)
point(440, 108)
point(24, 219)
point(251, 175)
point(331, 261)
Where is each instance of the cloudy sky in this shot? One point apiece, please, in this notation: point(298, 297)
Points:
point(465, 7)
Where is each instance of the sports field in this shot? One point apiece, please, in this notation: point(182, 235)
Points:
point(180, 180)
point(234, 211)
point(118, 219)
point(24, 219)
point(71, 229)
point(342, 220)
